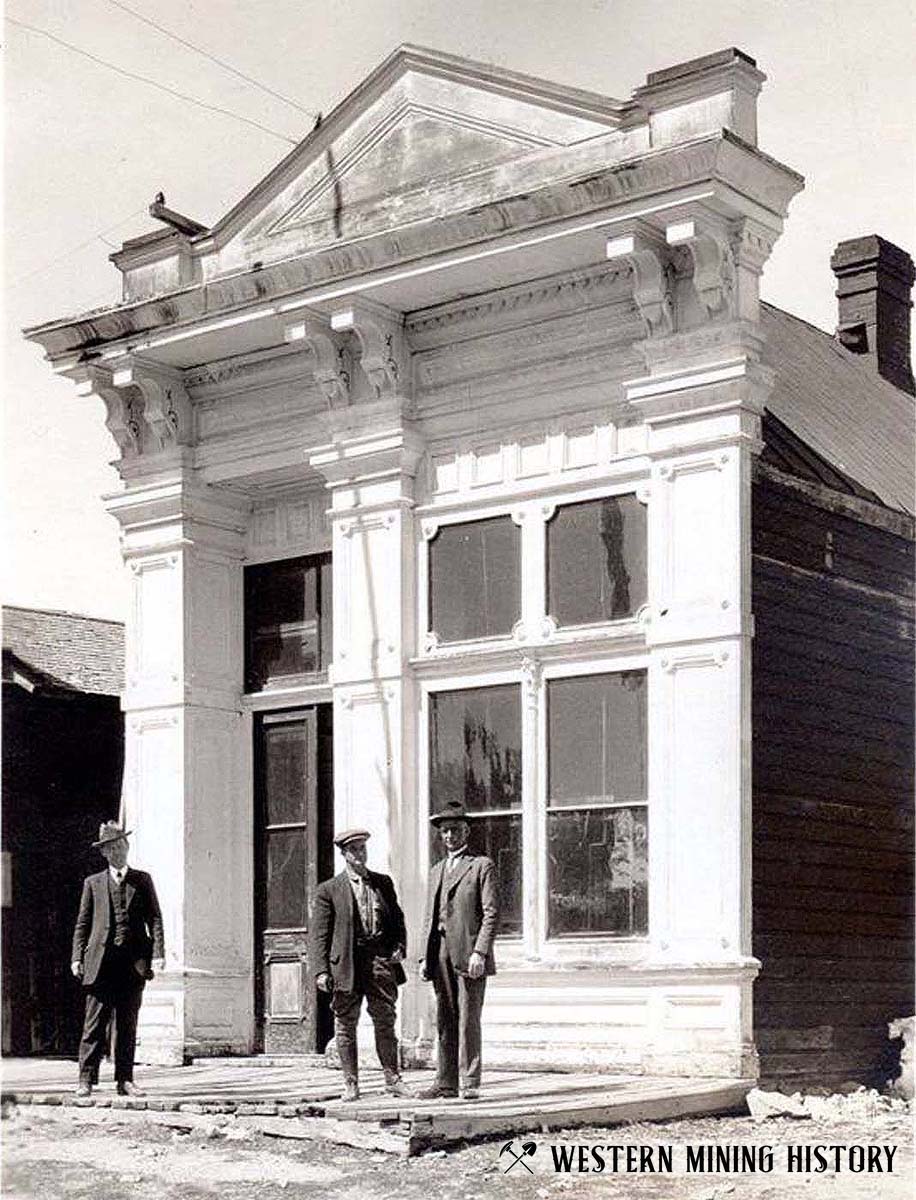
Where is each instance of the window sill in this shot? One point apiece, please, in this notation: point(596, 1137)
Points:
point(312, 689)
point(574, 953)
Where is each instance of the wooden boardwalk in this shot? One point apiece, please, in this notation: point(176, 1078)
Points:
point(301, 1099)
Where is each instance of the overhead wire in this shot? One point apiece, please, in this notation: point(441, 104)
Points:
point(212, 58)
point(150, 82)
point(97, 236)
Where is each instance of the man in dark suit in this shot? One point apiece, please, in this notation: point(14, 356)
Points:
point(461, 918)
point(118, 935)
point(358, 944)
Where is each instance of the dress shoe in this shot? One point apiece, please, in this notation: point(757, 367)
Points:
point(437, 1092)
point(351, 1091)
point(470, 1093)
point(83, 1090)
point(127, 1087)
point(397, 1087)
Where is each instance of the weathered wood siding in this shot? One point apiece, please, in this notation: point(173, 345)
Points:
point(833, 675)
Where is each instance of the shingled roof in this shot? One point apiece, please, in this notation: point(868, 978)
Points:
point(66, 651)
point(836, 403)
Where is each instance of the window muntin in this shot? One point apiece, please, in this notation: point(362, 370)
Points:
point(474, 580)
point(596, 560)
point(288, 629)
point(475, 756)
point(597, 816)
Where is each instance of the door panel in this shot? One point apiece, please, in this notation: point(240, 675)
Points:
point(294, 806)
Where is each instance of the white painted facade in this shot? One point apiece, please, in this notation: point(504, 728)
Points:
point(466, 294)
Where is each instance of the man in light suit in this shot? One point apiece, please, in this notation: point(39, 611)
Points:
point(358, 944)
point(118, 935)
point(461, 919)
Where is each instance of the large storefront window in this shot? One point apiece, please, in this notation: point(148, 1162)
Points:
point(475, 754)
point(474, 587)
point(597, 830)
point(596, 560)
point(287, 621)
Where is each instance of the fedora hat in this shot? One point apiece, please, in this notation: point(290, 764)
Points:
point(110, 831)
point(452, 810)
point(351, 835)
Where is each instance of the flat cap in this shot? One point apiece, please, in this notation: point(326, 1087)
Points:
point(350, 835)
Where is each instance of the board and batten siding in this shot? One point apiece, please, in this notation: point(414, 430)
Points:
point(833, 712)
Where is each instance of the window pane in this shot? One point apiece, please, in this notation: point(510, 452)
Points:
point(474, 588)
point(499, 838)
point(285, 774)
point(597, 871)
point(286, 879)
point(596, 560)
point(475, 748)
point(287, 620)
point(596, 739)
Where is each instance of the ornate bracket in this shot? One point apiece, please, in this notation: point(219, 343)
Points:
point(644, 249)
point(383, 352)
point(166, 406)
point(328, 360)
point(713, 260)
point(124, 410)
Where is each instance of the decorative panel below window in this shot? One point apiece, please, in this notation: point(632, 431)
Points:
point(596, 561)
point(475, 755)
point(287, 621)
point(474, 580)
point(597, 819)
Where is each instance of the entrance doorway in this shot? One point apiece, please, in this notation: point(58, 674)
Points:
point(294, 821)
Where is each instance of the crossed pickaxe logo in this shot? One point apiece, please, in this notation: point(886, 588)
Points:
point(528, 1148)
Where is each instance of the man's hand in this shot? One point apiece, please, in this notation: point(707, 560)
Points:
point(323, 982)
point(397, 955)
point(424, 974)
point(159, 965)
point(77, 969)
point(476, 965)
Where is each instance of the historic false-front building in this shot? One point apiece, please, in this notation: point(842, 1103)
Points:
point(440, 456)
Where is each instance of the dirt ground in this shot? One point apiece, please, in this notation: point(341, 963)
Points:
point(63, 1155)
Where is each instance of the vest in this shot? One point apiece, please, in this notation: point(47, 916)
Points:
point(120, 927)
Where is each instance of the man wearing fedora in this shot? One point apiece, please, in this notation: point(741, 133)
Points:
point(462, 913)
point(358, 944)
point(118, 936)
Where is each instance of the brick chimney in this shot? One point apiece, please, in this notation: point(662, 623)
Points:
point(874, 279)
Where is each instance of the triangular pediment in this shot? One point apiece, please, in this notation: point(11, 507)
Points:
point(406, 145)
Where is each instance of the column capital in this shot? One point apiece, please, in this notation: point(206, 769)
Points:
point(174, 514)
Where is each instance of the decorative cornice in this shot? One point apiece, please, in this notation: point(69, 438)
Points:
point(720, 162)
point(570, 292)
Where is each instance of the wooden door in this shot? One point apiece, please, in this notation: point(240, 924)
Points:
point(293, 840)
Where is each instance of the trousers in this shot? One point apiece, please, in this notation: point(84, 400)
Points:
point(373, 979)
point(118, 993)
point(459, 1002)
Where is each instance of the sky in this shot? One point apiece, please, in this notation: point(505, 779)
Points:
point(87, 148)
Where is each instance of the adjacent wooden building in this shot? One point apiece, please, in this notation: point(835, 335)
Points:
point(461, 459)
point(63, 754)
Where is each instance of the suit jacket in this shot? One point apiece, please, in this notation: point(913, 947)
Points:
point(468, 910)
point(334, 925)
point(96, 918)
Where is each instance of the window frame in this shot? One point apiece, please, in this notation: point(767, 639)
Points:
point(534, 942)
point(429, 527)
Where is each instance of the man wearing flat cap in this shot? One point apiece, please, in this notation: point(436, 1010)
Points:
point(358, 944)
point(462, 915)
point(118, 937)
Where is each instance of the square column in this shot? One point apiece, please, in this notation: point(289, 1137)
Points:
point(371, 478)
point(186, 761)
